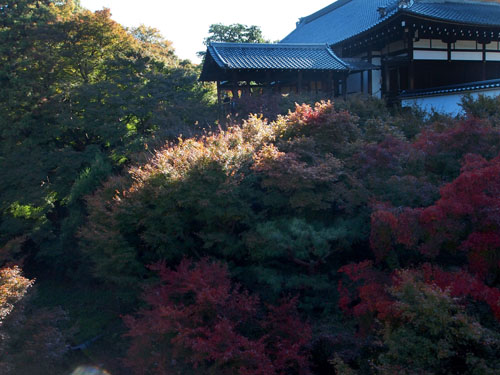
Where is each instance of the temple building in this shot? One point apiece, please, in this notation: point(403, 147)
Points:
point(423, 52)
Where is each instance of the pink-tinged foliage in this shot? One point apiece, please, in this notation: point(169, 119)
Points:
point(314, 186)
point(285, 337)
point(383, 227)
point(198, 319)
point(391, 226)
point(463, 284)
point(465, 219)
point(468, 215)
point(366, 294)
point(363, 294)
point(471, 136)
point(386, 157)
point(332, 131)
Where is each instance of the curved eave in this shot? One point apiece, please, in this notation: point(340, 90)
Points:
point(419, 16)
point(227, 74)
point(407, 12)
point(369, 30)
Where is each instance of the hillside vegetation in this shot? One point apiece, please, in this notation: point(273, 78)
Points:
point(341, 238)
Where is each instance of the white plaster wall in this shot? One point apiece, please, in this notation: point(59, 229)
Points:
point(467, 56)
point(492, 56)
point(430, 55)
point(446, 104)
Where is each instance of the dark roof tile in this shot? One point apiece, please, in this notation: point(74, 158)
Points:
point(347, 18)
point(340, 21)
point(276, 56)
point(469, 13)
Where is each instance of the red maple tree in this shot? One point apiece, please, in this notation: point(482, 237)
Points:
point(197, 319)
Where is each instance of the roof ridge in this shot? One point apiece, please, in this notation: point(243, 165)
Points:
point(268, 45)
point(475, 2)
point(335, 5)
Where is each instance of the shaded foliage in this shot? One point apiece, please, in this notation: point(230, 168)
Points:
point(197, 321)
point(383, 223)
point(80, 96)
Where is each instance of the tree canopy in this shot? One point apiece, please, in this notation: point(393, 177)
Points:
point(234, 33)
point(140, 236)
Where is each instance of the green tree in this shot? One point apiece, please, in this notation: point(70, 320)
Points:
point(234, 33)
point(153, 44)
point(80, 96)
point(429, 333)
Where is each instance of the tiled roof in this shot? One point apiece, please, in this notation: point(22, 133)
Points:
point(275, 56)
point(357, 65)
point(459, 88)
point(346, 18)
point(477, 13)
point(340, 20)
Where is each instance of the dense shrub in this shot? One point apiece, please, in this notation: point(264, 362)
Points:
point(197, 321)
point(319, 205)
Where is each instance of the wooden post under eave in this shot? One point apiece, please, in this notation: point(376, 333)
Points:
point(362, 79)
point(299, 82)
point(411, 68)
point(219, 102)
point(234, 87)
point(370, 75)
point(484, 62)
point(336, 88)
point(344, 86)
point(385, 82)
point(330, 86)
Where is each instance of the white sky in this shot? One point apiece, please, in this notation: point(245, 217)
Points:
point(186, 22)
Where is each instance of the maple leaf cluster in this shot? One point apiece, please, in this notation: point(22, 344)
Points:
point(197, 319)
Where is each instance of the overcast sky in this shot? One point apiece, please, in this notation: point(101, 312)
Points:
point(186, 22)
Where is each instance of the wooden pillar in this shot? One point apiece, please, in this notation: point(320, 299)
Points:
point(336, 88)
point(484, 62)
point(234, 87)
point(399, 78)
point(247, 89)
point(362, 81)
point(370, 74)
point(219, 101)
point(268, 86)
point(299, 82)
point(344, 86)
point(385, 75)
point(234, 90)
point(330, 89)
point(411, 67)
point(387, 78)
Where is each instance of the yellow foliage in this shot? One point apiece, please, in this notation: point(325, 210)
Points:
point(13, 287)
